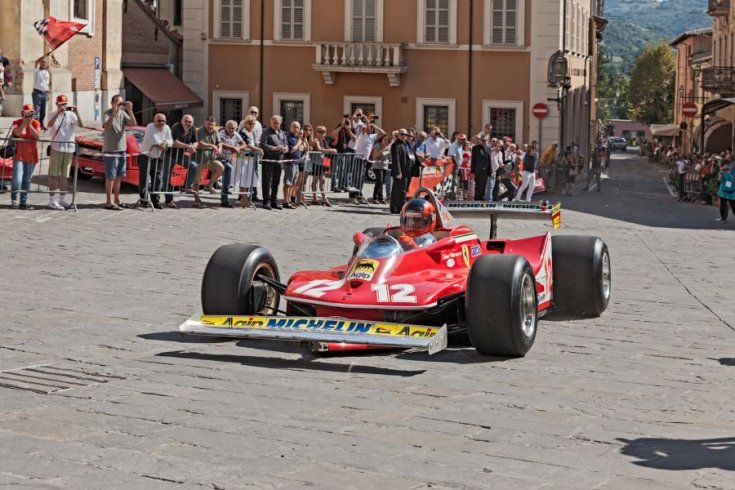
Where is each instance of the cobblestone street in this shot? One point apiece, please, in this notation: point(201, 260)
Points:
point(98, 389)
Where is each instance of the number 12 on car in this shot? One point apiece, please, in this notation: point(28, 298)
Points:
point(395, 293)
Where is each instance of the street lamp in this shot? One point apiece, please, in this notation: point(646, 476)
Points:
point(558, 77)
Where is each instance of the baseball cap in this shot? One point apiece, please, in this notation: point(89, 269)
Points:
point(62, 99)
point(28, 108)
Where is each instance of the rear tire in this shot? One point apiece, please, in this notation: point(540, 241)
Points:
point(582, 275)
point(230, 285)
point(501, 305)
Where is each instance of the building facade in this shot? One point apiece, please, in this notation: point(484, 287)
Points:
point(151, 63)
point(457, 64)
point(86, 68)
point(693, 56)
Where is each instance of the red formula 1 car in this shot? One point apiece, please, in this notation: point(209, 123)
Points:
point(91, 163)
point(494, 290)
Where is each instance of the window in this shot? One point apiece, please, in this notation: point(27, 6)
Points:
point(229, 105)
point(435, 112)
point(229, 109)
point(232, 19)
point(366, 108)
point(292, 107)
point(364, 20)
point(436, 115)
point(436, 25)
point(177, 12)
point(503, 122)
point(504, 22)
point(83, 11)
point(293, 20)
point(369, 105)
point(506, 118)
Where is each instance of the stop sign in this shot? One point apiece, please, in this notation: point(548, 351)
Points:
point(540, 110)
point(689, 109)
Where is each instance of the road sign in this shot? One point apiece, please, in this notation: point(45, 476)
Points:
point(541, 110)
point(689, 109)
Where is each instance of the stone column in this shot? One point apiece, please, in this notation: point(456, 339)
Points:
point(112, 75)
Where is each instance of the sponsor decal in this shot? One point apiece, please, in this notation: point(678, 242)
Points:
point(364, 269)
point(466, 255)
point(450, 262)
point(309, 324)
point(475, 250)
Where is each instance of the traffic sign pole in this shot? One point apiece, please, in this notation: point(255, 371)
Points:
point(540, 111)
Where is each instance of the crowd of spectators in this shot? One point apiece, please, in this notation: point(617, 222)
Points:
point(701, 179)
point(486, 167)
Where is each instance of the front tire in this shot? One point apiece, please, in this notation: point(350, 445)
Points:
point(501, 305)
point(231, 284)
point(582, 275)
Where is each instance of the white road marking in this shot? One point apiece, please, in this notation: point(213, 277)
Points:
point(671, 189)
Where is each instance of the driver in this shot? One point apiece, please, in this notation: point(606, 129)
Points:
point(418, 220)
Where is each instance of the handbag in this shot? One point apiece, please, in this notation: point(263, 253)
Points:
point(53, 138)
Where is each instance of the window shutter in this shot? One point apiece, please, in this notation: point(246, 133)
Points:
point(364, 17)
point(298, 19)
point(504, 28)
point(436, 21)
point(230, 25)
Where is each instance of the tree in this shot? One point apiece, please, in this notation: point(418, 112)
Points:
point(651, 92)
point(612, 89)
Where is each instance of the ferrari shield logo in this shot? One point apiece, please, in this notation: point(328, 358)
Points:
point(466, 255)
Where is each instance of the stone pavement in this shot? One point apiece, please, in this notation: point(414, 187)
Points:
point(97, 390)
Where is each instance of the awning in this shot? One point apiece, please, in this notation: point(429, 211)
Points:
point(163, 88)
point(665, 129)
point(715, 105)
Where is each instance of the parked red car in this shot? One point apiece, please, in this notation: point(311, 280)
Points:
point(92, 165)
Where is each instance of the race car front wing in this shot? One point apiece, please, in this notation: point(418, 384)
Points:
point(318, 329)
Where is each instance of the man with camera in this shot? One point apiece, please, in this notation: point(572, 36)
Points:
point(117, 118)
point(26, 155)
point(61, 125)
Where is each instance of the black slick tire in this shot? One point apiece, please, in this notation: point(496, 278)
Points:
point(230, 286)
point(501, 305)
point(582, 276)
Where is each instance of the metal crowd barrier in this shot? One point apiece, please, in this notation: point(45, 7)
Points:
point(177, 173)
point(39, 177)
point(334, 173)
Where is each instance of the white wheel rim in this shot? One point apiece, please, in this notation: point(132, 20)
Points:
point(528, 307)
point(606, 276)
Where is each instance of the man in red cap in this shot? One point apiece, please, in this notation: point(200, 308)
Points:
point(26, 155)
point(61, 126)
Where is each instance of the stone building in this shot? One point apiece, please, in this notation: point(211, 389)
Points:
point(86, 68)
point(457, 64)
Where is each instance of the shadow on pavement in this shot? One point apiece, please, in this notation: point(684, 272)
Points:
point(682, 454)
point(298, 364)
point(727, 361)
point(178, 337)
point(635, 192)
point(466, 355)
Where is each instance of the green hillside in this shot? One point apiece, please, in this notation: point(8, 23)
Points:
point(633, 23)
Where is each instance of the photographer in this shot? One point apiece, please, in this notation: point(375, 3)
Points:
point(26, 155)
point(117, 118)
point(62, 125)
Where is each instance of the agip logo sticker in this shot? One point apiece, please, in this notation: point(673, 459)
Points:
point(364, 269)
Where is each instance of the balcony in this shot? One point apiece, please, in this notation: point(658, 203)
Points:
point(718, 7)
point(719, 79)
point(360, 58)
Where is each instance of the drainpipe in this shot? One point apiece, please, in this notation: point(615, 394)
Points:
point(469, 73)
point(262, 55)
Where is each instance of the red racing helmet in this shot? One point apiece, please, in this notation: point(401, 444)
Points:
point(418, 217)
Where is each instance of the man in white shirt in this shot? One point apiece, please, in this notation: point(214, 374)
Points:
point(486, 132)
point(41, 87)
point(358, 121)
point(62, 125)
point(365, 139)
point(435, 144)
point(496, 162)
point(157, 139)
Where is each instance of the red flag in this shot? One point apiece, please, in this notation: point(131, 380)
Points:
point(57, 32)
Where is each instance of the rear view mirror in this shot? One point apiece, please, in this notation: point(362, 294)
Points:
point(359, 238)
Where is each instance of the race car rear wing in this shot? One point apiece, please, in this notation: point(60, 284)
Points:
point(318, 329)
point(512, 210)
